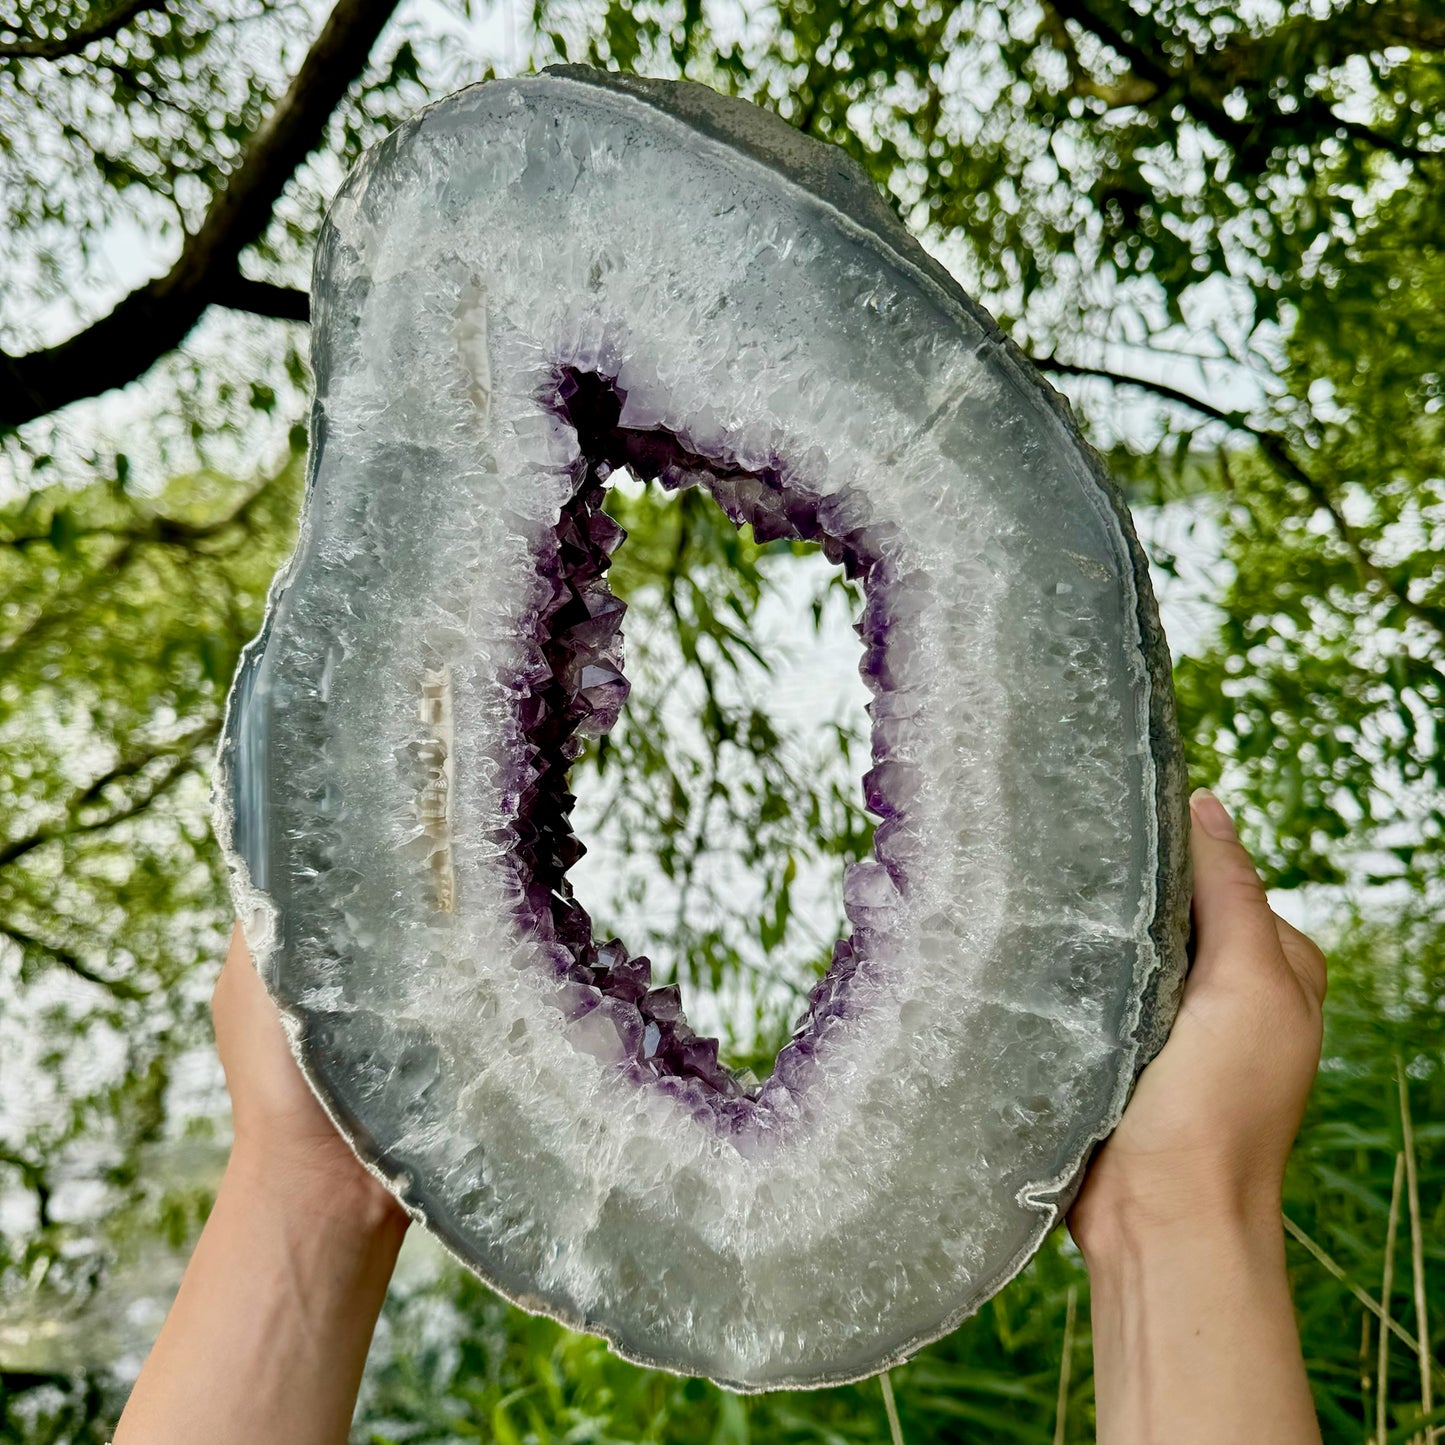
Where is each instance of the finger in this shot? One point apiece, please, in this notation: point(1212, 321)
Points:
point(1232, 917)
point(237, 961)
point(238, 952)
point(1304, 957)
point(241, 976)
point(238, 986)
point(248, 1026)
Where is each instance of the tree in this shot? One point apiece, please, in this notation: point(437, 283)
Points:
point(1222, 236)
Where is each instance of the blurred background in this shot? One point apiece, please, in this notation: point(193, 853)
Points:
point(1218, 229)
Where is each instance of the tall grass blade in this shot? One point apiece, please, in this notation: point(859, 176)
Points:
point(1332, 1269)
point(1403, 1434)
point(1061, 1418)
point(1387, 1280)
point(895, 1430)
point(1417, 1256)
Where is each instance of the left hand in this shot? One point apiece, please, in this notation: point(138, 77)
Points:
point(280, 1127)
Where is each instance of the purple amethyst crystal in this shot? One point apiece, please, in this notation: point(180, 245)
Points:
point(393, 795)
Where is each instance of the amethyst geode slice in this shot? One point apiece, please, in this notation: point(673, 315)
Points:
point(534, 284)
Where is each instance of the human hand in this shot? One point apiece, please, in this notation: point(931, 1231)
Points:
point(1179, 1217)
point(269, 1331)
point(281, 1131)
point(1209, 1128)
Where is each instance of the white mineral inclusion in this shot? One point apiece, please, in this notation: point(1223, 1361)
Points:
point(748, 292)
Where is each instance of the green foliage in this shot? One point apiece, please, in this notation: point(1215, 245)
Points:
point(1163, 183)
point(121, 625)
point(1386, 1030)
point(1324, 690)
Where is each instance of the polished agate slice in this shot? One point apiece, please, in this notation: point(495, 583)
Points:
point(535, 284)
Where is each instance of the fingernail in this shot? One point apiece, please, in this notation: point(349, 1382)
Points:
point(1211, 814)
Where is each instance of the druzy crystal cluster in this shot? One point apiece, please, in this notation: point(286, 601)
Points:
point(530, 286)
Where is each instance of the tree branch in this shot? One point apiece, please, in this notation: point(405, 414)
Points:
point(56, 47)
point(1362, 27)
point(136, 763)
point(263, 298)
point(182, 759)
point(36, 1178)
point(1276, 448)
point(157, 530)
point(1235, 419)
point(155, 318)
point(18, 1381)
point(1201, 83)
point(162, 532)
point(116, 987)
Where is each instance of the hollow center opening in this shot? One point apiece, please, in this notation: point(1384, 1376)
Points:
point(720, 810)
point(623, 1008)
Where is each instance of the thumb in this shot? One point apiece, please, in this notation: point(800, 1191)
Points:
point(1232, 918)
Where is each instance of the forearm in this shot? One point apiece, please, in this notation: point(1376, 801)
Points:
point(1195, 1341)
point(269, 1332)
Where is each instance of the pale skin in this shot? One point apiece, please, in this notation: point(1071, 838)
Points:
point(1178, 1220)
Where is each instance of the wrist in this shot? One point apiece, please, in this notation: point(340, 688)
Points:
point(1194, 1332)
point(1201, 1194)
point(327, 1187)
point(1130, 1241)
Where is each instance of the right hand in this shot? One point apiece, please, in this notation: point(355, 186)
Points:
point(1210, 1125)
